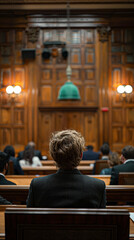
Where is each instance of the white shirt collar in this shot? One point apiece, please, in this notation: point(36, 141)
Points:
point(2, 174)
point(129, 160)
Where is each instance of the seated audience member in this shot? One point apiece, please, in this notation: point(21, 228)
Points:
point(9, 150)
point(105, 151)
point(3, 201)
point(67, 188)
point(127, 158)
point(37, 153)
point(112, 161)
point(29, 159)
point(3, 169)
point(90, 154)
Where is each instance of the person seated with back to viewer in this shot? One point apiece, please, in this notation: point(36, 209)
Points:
point(112, 161)
point(127, 158)
point(105, 151)
point(9, 150)
point(37, 153)
point(4, 159)
point(90, 154)
point(67, 188)
point(3, 201)
point(29, 159)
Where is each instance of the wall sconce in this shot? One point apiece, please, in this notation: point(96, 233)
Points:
point(15, 90)
point(124, 89)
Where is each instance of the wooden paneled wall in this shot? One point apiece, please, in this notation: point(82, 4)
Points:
point(101, 57)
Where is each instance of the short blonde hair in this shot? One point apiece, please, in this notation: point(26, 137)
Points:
point(66, 148)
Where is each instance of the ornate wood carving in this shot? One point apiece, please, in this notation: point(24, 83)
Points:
point(104, 33)
point(32, 34)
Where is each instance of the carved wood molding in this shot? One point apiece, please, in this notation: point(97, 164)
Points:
point(65, 109)
point(32, 34)
point(65, 1)
point(104, 33)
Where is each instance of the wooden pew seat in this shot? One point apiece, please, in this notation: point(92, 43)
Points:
point(73, 224)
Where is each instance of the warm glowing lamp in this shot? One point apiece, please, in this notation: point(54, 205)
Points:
point(128, 88)
point(121, 89)
point(17, 89)
point(9, 89)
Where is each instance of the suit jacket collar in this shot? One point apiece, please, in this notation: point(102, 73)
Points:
point(129, 161)
point(2, 175)
point(69, 171)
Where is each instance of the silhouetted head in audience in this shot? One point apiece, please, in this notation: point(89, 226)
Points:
point(113, 159)
point(90, 147)
point(4, 159)
point(28, 153)
point(105, 149)
point(32, 144)
point(127, 153)
point(9, 150)
point(66, 148)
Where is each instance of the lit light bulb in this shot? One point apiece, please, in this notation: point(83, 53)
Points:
point(128, 89)
point(120, 89)
point(9, 89)
point(17, 89)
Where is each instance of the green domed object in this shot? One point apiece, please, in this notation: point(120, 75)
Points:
point(69, 92)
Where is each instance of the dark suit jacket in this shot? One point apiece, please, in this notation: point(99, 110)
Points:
point(125, 167)
point(67, 189)
point(3, 201)
point(36, 153)
point(4, 181)
point(16, 165)
point(90, 155)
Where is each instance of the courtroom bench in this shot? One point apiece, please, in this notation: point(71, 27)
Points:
point(45, 170)
point(2, 218)
point(17, 194)
point(26, 179)
point(66, 224)
point(131, 222)
point(82, 162)
point(3, 207)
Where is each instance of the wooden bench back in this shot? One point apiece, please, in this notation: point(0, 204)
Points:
point(126, 178)
point(17, 194)
point(26, 179)
point(99, 165)
point(59, 224)
point(82, 162)
point(2, 217)
point(45, 170)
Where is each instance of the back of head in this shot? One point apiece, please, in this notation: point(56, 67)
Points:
point(32, 144)
point(89, 147)
point(105, 149)
point(114, 159)
point(9, 150)
point(128, 152)
point(28, 153)
point(3, 160)
point(66, 148)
